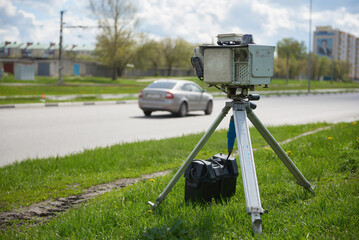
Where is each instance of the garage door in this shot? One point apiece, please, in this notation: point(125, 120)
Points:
point(43, 69)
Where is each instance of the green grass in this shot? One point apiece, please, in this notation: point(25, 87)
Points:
point(303, 85)
point(328, 159)
point(51, 178)
point(70, 80)
point(72, 85)
point(280, 85)
point(100, 85)
point(68, 90)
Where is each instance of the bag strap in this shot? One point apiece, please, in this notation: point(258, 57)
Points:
point(199, 178)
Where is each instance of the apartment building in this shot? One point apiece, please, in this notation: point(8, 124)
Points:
point(337, 44)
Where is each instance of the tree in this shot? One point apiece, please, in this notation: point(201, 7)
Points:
point(293, 60)
point(324, 67)
point(314, 66)
point(168, 53)
point(167, 47)
point(177, 53)
point(184, 52)
point(292, 51)
point(115, 42)
point(279, 67)
point(341, 70)
point(148, 54)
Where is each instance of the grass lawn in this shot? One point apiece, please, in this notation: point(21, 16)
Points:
point(97, 85)
point(69, 80)
point(72, 85)
point(329, 159)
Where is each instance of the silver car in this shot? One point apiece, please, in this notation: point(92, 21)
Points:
point(175, 96)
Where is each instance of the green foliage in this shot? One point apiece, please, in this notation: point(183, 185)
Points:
point(291, 47)
point(291, 53)
point(176, 53)
point(341, 70)
point(323, 66)
point(115, 53)
point(148, 55)
point(115, 44)
point(293, 60)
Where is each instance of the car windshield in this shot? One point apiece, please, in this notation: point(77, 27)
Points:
point(164, 85)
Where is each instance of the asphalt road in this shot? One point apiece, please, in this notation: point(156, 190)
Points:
point(50, 131)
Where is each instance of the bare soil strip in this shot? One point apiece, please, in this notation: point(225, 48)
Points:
point(43, 210)
point(299, 136)
point(305, 134)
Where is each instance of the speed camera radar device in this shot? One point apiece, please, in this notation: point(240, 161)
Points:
point(236, 63)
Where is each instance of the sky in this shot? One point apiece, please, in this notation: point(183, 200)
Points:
point(197, 21)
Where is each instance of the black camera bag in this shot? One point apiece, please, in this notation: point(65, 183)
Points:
point(213, 178)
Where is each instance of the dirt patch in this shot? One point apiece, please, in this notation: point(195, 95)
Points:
point(41, 211)
point(299, 136)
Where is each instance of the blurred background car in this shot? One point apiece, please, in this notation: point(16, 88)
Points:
point(175, 96)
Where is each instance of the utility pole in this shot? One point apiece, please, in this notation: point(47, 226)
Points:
point(332, 70)
point(59, 82)
point(60, 49)
point(310, 43)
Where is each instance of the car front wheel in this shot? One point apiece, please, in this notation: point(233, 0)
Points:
point(209, 108)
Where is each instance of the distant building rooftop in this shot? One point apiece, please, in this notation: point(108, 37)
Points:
point(324, 28)
point(54, 46)
point(38, 46)
point(83, 48)
point(11, 44)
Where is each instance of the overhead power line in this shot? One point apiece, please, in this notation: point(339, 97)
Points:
point(84, 27)
point(62, 25)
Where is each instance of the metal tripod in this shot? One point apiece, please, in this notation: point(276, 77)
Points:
point(242, 110)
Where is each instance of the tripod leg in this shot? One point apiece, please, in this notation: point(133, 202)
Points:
point(301, 180)
point(250, 184)
point(190, 158)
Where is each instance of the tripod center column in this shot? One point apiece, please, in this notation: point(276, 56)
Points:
point(249, 176)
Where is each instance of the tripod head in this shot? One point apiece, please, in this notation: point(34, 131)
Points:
point(242, 95)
